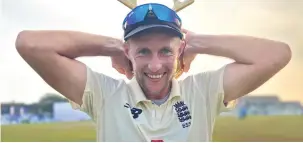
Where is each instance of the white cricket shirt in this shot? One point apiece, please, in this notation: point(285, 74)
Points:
point(122, 112)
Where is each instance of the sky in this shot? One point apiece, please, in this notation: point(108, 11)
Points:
point(274, 19)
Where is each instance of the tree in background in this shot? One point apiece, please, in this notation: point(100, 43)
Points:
point(51, 98)
point(44, 105)
point(47, 100)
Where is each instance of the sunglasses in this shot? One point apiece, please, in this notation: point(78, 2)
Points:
point(162, 13)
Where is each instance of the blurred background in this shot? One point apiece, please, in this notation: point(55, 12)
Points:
point(33, 111)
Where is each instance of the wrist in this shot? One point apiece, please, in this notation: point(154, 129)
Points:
point(113, 47)
point(197, 44)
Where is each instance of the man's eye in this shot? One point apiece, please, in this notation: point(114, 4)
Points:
point(166, 52)
point(143, 52)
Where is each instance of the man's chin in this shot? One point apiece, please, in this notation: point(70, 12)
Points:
point(156, 91)
point(155, 88)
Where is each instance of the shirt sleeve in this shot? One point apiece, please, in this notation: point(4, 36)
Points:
point(216, 92)
point(209, 87)
point(97, 87)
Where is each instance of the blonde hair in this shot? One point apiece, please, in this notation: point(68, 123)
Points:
point(179, 69)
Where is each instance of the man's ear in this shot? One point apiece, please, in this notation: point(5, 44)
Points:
point(126, 49)
point(182, 48)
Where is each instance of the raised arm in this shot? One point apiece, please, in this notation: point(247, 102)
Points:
point(256, 59)
point(52, 55)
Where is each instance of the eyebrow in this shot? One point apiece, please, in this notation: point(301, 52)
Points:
point(167, 47)
point(142, 48)
point(145, 48)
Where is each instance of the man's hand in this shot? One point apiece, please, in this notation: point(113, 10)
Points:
point(123, 65)
point(52, 54)
point(256, 60)
point(189, 55)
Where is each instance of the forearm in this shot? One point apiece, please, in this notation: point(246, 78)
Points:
point(70, 44)
point(242, 49)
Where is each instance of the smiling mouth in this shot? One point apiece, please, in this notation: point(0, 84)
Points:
point(155, 76)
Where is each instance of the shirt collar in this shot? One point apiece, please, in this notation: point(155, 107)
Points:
point(139, 96)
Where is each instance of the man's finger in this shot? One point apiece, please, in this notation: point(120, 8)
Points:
point(120, 70)
point(129, 74)
point(184, 31)
point(186, 67)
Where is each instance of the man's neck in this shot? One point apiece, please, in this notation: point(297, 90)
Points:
point(161, 101)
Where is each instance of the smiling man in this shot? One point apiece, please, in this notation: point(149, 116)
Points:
point(154, 105)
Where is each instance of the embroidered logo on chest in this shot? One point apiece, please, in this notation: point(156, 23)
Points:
point(135, 111)
point(183, 114)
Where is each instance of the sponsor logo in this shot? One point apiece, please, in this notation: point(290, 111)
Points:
point(134, 111)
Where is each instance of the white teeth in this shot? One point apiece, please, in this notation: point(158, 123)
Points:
point(155, 76)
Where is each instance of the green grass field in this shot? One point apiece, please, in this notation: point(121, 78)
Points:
point(279, 128)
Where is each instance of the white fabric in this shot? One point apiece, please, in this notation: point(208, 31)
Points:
point(109, 102)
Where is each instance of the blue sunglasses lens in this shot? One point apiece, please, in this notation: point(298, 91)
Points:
point(162, 12)
point(136, 15)
point(166, 14)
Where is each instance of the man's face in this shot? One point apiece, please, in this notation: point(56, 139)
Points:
point(154, 58)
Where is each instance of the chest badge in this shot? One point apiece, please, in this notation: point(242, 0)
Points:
point(183, 114)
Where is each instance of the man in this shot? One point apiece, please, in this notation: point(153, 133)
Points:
point(153, 106)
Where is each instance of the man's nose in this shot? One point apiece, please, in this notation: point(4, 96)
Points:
point(155, 64)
